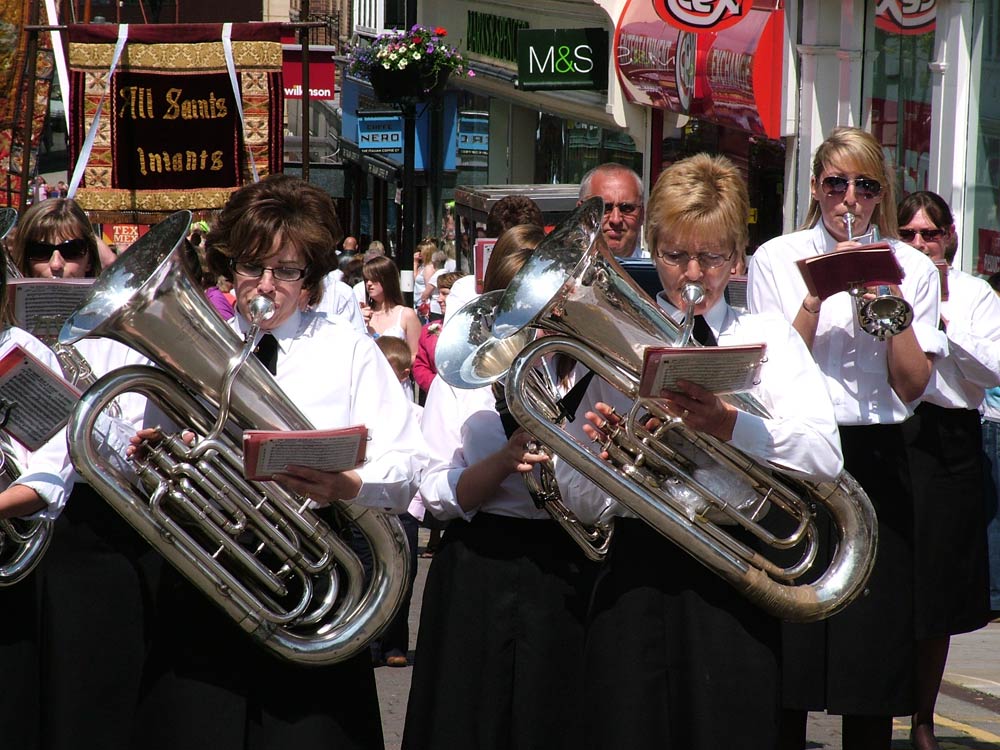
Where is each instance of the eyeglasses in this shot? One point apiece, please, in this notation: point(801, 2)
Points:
point(625, 209)
point(705, 260)
point(71, 250)
point(863, 186)
point(255, 271)
point(928, 235)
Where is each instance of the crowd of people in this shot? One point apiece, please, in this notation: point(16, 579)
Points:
point(522, 635)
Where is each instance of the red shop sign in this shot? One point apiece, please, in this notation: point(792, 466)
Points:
point(727, 69)
point(322, 71)
point(906, 16)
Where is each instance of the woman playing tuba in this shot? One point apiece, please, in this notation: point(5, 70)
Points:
point(708, 657)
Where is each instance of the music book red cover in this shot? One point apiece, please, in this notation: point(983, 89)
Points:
point(868, 265)
point(719, 369)
point(35, 401)
point(268, 452)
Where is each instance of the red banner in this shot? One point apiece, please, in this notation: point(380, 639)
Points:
point(723, 64)
point(322, 72)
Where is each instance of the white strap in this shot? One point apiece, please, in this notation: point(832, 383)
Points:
point(227, 47)
point(88, 144)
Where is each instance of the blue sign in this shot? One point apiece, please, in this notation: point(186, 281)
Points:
point(473, 133)
point(380, 134)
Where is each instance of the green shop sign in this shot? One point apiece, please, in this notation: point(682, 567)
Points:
point(562, 59)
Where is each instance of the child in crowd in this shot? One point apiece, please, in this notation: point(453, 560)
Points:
point(392, 648)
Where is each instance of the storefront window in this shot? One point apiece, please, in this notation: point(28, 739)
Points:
point(900, 102)
point(567, 149)
point(983, 175)
point(473, 142)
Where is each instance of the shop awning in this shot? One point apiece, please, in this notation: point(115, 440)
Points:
point(725, 67)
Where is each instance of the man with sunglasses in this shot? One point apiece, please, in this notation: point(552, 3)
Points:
point(622, 191)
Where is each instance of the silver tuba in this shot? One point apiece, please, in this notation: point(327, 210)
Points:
point(256, 550)
point(22, 541)
point(597, 315)
point(885, 314)
point(467, 355)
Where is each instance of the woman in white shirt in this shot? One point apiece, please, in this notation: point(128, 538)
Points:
point(944, 438)
point(500, 648)
point(677, 658)
point(858, 663)
point(89, 658)
point(207, 678)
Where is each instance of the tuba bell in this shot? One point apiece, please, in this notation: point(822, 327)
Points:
point(256, 550)
point(22, 541)
point(598, 316)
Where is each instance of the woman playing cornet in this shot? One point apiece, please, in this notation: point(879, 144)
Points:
point(859, 662)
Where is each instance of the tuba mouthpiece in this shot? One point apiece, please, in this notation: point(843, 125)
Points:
point(261, 309)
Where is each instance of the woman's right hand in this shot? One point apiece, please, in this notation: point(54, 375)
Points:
point(366, 313)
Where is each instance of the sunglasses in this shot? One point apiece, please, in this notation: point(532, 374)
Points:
point(928, 235)
point(863, 186)
point(625, 209)
point(71, 250)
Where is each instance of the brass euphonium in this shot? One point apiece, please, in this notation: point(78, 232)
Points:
point(256, 550)
point(884, 315)
point(573, 287)
point(22, 541)
point(467, 355)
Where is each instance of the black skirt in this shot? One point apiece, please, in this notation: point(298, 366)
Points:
point(209, 686)
point(77, 644)
point(860, 661)
point(951, 570)
point(676, 658)
point(499, 660)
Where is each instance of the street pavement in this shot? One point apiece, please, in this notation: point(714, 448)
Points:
point(967, 716)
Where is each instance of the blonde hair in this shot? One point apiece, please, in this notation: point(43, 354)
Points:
point(857, 150)
point(427, 248)
point(700, 196)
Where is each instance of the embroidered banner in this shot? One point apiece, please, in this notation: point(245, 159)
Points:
point(15, 85)
point(170, 135)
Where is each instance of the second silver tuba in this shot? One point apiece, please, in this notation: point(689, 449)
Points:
point(595, 314)
point(256, 550)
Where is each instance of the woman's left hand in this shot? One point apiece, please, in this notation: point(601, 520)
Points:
point(322, 487)
point(701, 410)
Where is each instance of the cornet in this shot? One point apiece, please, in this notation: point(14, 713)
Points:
point(886, 315)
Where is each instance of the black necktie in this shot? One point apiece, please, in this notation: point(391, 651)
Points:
point(267, 352)
point(702, 333)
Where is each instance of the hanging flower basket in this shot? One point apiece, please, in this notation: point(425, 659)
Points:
point(411, 84)
point(408, 66)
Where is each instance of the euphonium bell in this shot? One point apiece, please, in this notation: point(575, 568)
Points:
point(256, 550)
point(572, 286)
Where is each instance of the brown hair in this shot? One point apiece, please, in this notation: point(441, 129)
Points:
point(383, 270)
point(936, 209)
point(300, 213)
point(511, 211)
point(509, 254)
point(397, 352)
point(447, 280)
point(856, 149)
point(46, 220)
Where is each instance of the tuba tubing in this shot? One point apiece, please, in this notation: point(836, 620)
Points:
point(196, 508)
point(855, 521)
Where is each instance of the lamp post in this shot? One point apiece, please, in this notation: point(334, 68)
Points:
point(409, 217)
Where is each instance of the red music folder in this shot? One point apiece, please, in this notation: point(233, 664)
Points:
point(268, 452)
point(865, 266)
